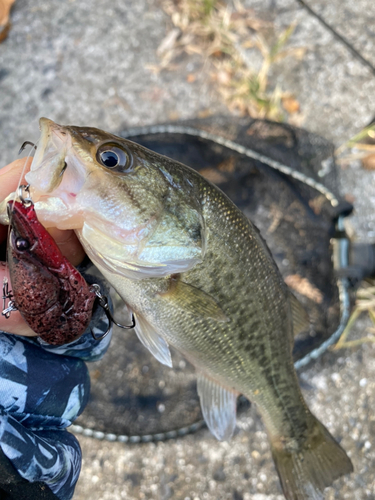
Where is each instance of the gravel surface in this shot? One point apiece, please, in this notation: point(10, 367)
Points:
point(340, 390)
point(90, 63)
point(85, 64)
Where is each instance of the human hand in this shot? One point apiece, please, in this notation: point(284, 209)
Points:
point(67, 241)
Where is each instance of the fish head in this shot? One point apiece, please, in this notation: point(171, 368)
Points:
point(132, 209)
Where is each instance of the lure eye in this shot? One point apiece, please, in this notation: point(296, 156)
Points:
point(114, 156)
point(22, 244)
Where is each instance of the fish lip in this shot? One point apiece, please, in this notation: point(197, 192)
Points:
point(54, 141)
point(56, 175)
point(45, 124)
point(54, 134)
point(49, 127)
point(54, 145)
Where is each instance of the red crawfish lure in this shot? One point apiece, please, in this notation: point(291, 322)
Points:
point(51, 295)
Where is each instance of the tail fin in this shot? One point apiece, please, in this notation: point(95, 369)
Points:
point(307, 469)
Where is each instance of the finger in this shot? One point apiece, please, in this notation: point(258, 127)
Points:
point(12, 175)
point(15, 323)
point(68, 244)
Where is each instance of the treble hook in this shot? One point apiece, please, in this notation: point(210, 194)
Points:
point(7, 295)
point(26, 143)
point(103, 302)
point(27, 202)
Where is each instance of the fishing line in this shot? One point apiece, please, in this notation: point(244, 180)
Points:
point(339, 37)
point(33, 148)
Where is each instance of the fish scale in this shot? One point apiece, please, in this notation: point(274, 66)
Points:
point(247, 312)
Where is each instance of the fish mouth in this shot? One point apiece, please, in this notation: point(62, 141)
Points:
point(50, 156)
point(56, 175)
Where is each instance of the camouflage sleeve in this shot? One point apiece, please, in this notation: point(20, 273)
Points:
point(86, 347)
point(40, 395)
point(43, 389)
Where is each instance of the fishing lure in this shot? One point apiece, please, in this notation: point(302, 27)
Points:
point(51, 295)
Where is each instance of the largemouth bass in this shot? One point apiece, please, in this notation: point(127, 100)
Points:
point(198, 276)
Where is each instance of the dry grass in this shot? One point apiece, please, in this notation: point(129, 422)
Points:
point(365, 304)
point(361, 147)
point(5, 6)
point(240, 50)
point(5, 25)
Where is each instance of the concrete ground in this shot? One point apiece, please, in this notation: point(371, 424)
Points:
point(88, 63)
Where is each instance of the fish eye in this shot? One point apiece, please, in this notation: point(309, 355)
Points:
point(22, 244)
point(114, 156)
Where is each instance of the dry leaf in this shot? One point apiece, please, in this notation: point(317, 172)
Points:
point(368, 162)
point(173, 116)
point(304, 287)
point(204, 113)
point(213, 175)
point(221, 32)
point(5, 6)
point(223, 77)
point(191, 78)
point(290, 104)
point(317, 203)
point(168, 41)
point(227, 165)
point(297, 119)
point(349, 198)
point(4, 31)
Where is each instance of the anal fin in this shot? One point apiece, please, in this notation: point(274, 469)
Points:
point(218, 406)
point(157, 346)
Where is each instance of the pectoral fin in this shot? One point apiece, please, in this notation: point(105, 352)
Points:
point(301, 320)
point(218, 407)
point(157, 346)
point(194, 301)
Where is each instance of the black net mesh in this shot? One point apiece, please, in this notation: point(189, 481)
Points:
point(296, 148)
point(132, 393)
